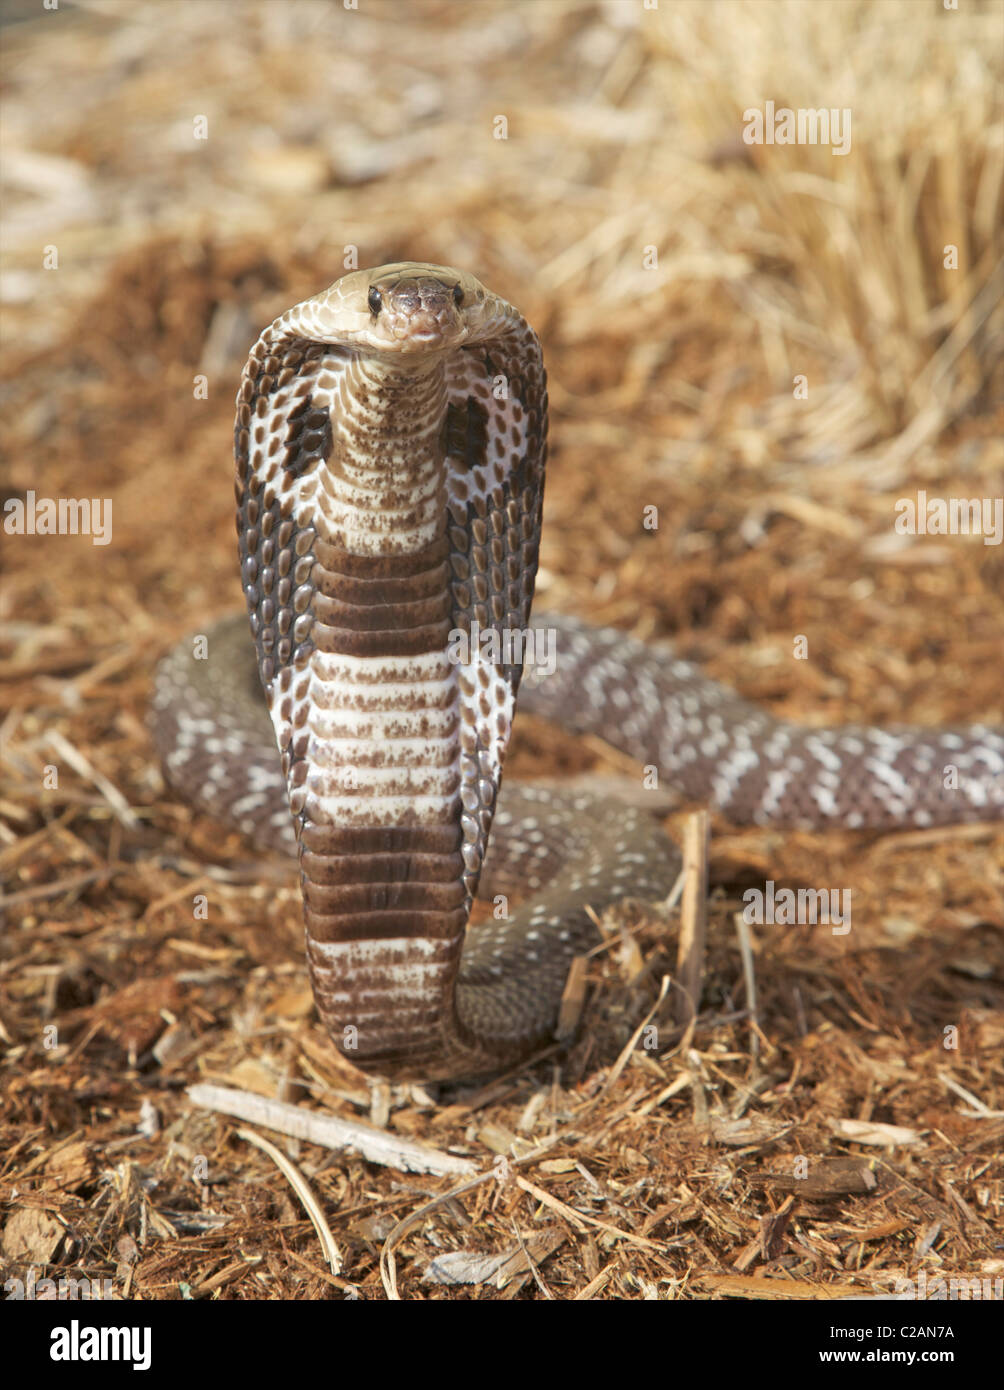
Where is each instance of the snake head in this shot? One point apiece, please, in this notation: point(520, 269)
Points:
point(406, 309)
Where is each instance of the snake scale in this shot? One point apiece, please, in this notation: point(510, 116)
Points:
point(390, 444)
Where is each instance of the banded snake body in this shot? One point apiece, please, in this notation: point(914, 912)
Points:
point(390, 444)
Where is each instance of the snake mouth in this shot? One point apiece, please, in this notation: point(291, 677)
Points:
point(423, 333)
point(407, 324)
point(412, 334)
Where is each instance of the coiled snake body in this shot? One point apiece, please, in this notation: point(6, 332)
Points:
point(390, 444)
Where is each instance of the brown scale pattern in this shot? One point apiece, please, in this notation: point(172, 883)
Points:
point(564, 847)
point(716, 748)
point(275, 550)
point(386, 904)
point(395, 604)
point(494, 528)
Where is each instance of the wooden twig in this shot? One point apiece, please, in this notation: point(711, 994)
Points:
point(693, 916)
point(305, 1193)
point(377, 1146)
point(749, 981)
point(117, 803)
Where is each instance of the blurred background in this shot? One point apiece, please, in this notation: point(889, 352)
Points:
point(176, 173)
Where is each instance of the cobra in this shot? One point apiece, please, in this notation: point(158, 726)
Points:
point(390, 444)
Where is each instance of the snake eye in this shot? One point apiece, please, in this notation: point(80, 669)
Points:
point(458, 296)
point(374, 300)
